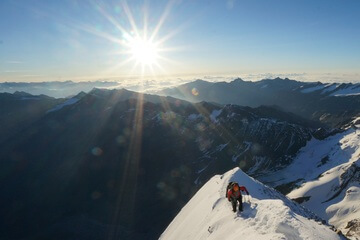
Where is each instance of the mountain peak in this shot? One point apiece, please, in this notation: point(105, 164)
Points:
point(200, 81)
point(23, 94)
point(236, 80)
point(283, 79)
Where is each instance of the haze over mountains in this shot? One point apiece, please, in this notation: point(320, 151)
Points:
point(99, 164)
point(62, 89)
point(328, 103)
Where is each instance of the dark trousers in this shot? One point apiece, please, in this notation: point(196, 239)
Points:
point(234, 203)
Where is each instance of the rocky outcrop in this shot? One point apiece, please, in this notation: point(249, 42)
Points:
point(353, 229)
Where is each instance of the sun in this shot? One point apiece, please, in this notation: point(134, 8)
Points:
point(144, 51)
point(139, 45)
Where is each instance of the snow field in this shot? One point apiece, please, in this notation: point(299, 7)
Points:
point(347, 209)
point(325, 173)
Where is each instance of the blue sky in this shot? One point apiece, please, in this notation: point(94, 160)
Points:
point(79, 40)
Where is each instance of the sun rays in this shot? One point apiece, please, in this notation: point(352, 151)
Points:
point(142, 49)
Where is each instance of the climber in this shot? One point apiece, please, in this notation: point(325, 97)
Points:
point(233, 193)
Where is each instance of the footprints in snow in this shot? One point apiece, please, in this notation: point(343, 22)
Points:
point(250, 211)
point(216, 203)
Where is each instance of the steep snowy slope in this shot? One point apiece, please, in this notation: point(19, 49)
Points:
point(328, 175)
point(270, 215)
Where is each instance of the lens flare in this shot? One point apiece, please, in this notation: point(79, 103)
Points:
point(194, 92)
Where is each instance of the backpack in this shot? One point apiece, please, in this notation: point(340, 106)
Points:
point(230, 186)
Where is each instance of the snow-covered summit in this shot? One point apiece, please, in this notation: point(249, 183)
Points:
point(269, 215)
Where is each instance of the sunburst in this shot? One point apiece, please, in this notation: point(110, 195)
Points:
point(137, 47)
point(144, 51)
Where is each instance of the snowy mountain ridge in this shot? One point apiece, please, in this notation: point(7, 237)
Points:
point(333, 89)
point(326, 177)
point(268, 215)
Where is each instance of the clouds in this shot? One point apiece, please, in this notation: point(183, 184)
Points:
point(154, 85)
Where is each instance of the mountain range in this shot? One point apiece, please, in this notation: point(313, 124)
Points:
point(57, 89)
point(100, 164)
point(329, 103)
point(88, 159)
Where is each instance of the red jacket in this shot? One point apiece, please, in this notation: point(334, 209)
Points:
point(236, 194)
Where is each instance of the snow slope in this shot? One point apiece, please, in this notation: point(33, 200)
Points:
point(319, 156)
point(334, 89)
point(66, 103)
point(270, 215)
point(328, 175)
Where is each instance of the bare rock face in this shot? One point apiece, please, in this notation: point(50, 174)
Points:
point(353, 229)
